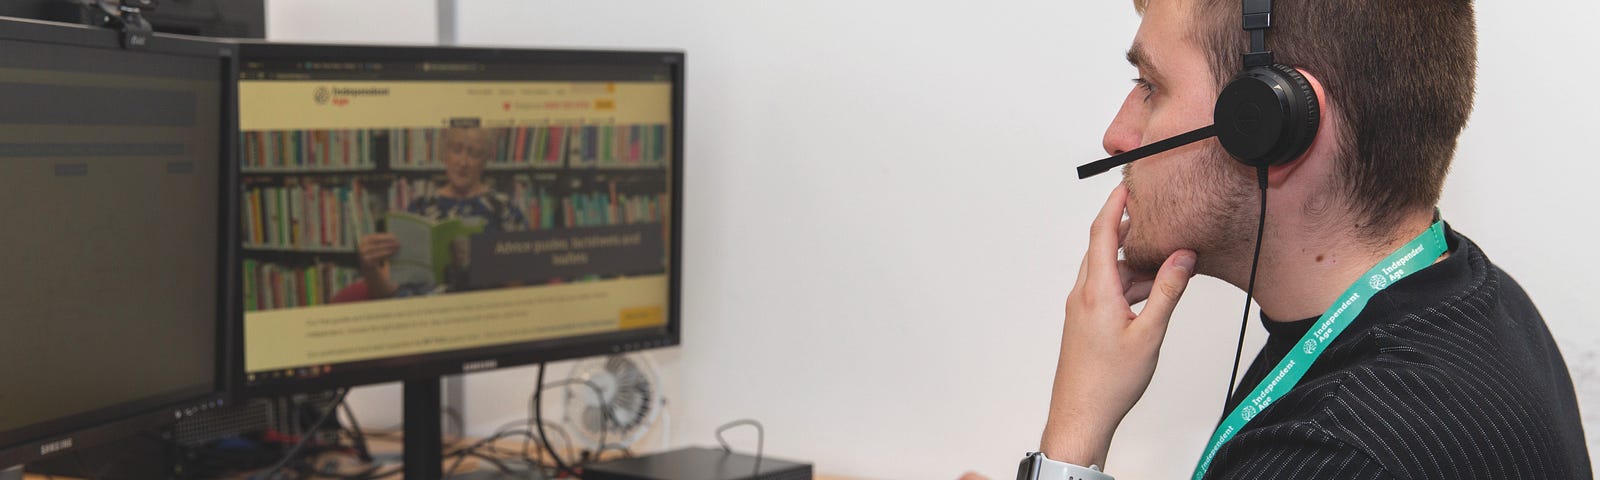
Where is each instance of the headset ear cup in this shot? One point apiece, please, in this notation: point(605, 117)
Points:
point(1267, 116)
point(1298, 137)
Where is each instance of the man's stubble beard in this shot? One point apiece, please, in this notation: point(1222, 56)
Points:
point(1207, 214)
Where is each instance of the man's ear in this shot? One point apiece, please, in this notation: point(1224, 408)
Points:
point(1322, 146)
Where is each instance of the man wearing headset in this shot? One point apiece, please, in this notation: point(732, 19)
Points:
point(1442, 368)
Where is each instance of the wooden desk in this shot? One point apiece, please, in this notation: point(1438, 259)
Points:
point(814, 477)
point(42, 477)
point(390, 446)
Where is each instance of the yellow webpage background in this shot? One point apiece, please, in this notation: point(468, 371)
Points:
point(318, 105)
point(330, 334)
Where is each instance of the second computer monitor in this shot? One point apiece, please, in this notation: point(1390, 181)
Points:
point(114, 175)
point(412, 212)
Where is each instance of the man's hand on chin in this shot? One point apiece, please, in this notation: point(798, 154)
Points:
point(1108, 352)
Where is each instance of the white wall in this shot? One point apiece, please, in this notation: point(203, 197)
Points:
point(882, 219)
point(353, 21)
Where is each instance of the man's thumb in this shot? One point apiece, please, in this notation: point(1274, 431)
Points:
point(1171, 280)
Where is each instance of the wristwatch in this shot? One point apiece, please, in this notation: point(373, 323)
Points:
point(1036, 467)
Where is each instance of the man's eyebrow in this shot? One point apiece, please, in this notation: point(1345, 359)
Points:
point(1140, 60)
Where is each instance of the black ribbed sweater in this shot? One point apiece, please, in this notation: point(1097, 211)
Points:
point(1449, 373)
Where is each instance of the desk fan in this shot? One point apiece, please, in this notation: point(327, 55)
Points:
point(611, 402)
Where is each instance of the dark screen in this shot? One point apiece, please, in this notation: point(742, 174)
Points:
point(109, 182)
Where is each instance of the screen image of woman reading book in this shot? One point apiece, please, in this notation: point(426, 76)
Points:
point(463, 197)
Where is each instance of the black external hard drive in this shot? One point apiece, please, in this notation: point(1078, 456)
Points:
point(697, 464)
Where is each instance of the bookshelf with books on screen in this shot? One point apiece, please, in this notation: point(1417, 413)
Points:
point(309, 195)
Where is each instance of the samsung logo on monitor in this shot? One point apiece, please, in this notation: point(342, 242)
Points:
point(56, 446)
point(479, 365)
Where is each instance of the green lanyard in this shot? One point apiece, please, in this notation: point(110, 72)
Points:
point(1416, 255)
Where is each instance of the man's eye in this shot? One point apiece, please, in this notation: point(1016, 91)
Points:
point(1149, 89)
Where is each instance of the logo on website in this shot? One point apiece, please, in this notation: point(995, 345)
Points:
point(340, 96)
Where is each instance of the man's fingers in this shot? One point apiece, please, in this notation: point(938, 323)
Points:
point(1130, 276)
point(1104, 233)
point(1083, 271)
point(1138, 292)
point(1168, 287)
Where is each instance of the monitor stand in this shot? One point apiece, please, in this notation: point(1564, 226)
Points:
point(424, 431)
point(424, 437)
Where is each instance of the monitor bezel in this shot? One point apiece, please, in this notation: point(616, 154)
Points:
point(53, 437)
point(435, 365)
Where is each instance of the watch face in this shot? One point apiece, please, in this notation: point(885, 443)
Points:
point(1029, 469)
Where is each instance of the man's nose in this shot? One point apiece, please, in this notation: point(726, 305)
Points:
point(1125, 132)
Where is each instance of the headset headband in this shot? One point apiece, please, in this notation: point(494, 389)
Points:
point(1257, 19)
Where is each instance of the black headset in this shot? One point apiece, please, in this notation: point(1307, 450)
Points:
point(1267, 115)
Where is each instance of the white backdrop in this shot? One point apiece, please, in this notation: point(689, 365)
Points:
point(882, 217)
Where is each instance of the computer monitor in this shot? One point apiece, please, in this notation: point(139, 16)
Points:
point(115, 176)
point(412, 212)
point(210, 18)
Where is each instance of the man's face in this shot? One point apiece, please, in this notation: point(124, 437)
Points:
point(465, 154)
point(1191, 197)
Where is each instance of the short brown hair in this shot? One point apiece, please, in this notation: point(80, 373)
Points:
point(1400, 74)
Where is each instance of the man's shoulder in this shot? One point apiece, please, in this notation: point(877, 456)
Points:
point(1455, 315)
point(1424, 413)
point(1449, 373)
point(1462, 376)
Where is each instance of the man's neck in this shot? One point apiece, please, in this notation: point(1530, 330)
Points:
point(1304, 270)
